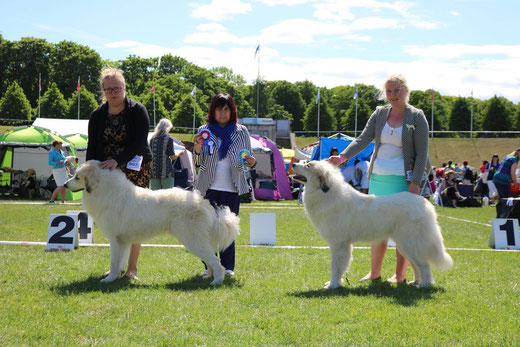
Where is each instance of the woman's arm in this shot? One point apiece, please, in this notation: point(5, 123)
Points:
point(513, 173)
point(140, 140)
point(420, 139)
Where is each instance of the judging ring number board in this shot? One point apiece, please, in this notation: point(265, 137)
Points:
point(505, 233)
point(66, 231)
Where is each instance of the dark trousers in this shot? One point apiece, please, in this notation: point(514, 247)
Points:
point(231, 200)
point(504, 192)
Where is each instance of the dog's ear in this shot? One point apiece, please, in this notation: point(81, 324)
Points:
point(90, 177)
point(323, 183)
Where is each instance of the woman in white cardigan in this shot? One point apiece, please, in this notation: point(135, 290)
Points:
point(399, 160)
point(221, 177)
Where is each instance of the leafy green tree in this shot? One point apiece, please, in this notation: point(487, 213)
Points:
point(138, 72)
point(183, 114)
point(87, 104)
point(23, 61)
point(14, 105)
point(460, 116)
point(160, 111)
point(288, 96)
point(264, 97)
point(278, 112)
point(53, 104)
point(422, 100)
point(227, 74)
point(172, 65)
point(497, 115)
point(348, 122)
point(327, 120)
point(516, 117)
point(308, 91)
point(340, 99)
point(69, 61)
point(171, 88)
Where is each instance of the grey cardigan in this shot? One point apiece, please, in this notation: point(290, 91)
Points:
point(414, 139)
point(208, 162)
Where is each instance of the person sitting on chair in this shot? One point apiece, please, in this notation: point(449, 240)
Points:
point(449, 190)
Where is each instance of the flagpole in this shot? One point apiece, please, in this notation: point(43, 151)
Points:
point(39, 91)
point(471, 122)
point(153, 86)
point(194, 91)
point(355, 117)
point(432, 110)
point(319, 101)
point(258, 82)
point(79, 85)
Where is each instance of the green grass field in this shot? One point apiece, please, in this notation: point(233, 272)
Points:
point(55, 298)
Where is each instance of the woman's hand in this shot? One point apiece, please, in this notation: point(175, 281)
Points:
point(251, 161)
point(414, 188)
point(198, 143)
point(335, 160)
point(110, 164)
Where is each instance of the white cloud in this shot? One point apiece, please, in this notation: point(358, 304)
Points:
point(454, 13)
point(453, 51)
point(219, 10)
point(123, 44)
point(284, 2)
point(424, 24)
point(211, 27)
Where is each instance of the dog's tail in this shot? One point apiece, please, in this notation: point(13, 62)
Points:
point(227, 227)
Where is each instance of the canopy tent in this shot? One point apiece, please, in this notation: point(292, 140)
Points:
point(63, 126)
point(271, 181)
point(80, 142)
point(26, 148)
point(340, 141)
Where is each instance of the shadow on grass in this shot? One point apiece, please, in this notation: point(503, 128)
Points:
point(402, 294)
point(92, 284)
point(198, 283)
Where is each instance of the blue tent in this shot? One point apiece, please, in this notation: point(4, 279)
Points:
point(340, 141)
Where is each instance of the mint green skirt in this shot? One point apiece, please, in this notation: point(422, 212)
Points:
point(387, 184)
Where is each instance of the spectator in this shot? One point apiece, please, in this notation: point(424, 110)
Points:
point(467, 174)
point(58, 161)
point(399, 160)
point(433, 186)
point(458, 172)
point(118, 137)
point(490, 169)
point(503, 177)
point(221, 178)
point(350, 176)
point(449, 190)
point(333, 151)
point(362, 173)
point(163, 155)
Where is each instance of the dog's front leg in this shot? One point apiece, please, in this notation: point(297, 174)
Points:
point(340, 256)
point(116, 251)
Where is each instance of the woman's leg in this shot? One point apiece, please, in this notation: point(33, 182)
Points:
point(63, 192)
point(131, 272)
point(378, 253)
point(55, 194)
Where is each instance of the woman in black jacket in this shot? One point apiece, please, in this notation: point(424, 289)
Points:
point(118, 137)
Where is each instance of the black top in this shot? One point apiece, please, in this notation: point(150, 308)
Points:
point(136, 141)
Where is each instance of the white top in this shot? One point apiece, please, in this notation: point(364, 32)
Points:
point(349, 174)
point(389, 159)
point(222, 180)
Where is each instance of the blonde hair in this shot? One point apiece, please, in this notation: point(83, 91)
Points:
point(110, 72)
point(401, 80)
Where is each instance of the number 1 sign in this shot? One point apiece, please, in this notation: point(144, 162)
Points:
point(63, 232)
point(505, 233)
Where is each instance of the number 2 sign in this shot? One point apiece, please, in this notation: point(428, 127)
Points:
point(63, 232)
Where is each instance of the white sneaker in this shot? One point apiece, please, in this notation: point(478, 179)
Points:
point(230, 273)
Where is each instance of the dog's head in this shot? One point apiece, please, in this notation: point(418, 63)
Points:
point(315, 174)
point(86, 177)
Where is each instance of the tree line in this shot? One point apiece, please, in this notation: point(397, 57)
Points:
point(173, 79)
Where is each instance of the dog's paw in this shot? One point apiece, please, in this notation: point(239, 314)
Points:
point(108, 279)
point(332, 285)
point(216, 282)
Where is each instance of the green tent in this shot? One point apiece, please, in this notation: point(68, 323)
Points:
point(27, 147)
point(79, 141)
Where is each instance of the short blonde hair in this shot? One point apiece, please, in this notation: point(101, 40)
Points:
point(110, 72)
point(398, 79)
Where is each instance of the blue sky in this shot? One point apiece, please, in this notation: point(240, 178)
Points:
point(452, 46)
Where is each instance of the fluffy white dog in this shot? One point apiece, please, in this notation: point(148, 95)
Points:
point(127, 214)
point(343, 216)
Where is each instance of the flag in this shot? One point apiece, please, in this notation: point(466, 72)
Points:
point(77, 87)
point(194, 90)
point(40, 83)
point(431, 94)
point(355, 95)
point(153, 88)
point(257, 49)
point(318, 96)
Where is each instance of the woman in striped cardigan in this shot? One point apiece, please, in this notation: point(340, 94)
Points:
point(400, 132)
point(221, 177)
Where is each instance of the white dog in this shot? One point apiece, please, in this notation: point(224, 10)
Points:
point(343, 216)
point(128, 214)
